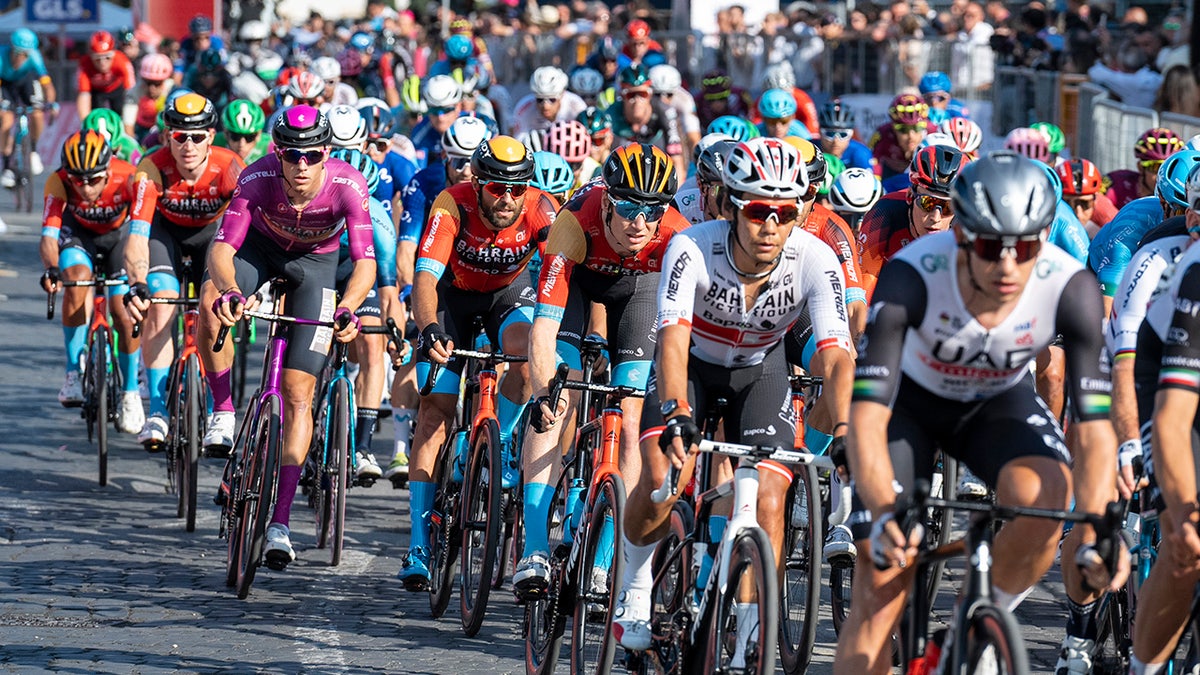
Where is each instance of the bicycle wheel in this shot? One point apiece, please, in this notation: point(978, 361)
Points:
point(480, 524)
point(444, 534)
point(939, 524)
point(841, 588)
point(260, 481)
point(993, 644)
point(670, 618)
point(545, 620)
point(241, 359)
point(175, 423)
point(187, 443)
point(750, 563)
point(598, 580)
point(1114, 634)
point(339, 460)
point(98, 358)
point(800, 588)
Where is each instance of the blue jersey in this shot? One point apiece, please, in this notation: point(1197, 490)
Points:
point(1068, 233)
point(418, 196)
point(954, 109)
point(1116, 242)
point(385, 244)
point(899, 181)
point(188, 53)
point(394, 173)
point(859, 155)
point(428, 142)
point(33, 66)
point(445, 67)
point(794, 129)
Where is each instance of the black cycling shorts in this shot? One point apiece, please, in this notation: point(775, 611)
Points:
point(370, 305)
point(24, 91)
point(169, 245)
point(113, 100)
point(984, 435)
point(80, 246)
point(632, 317)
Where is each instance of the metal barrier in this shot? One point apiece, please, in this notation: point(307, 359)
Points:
point(1115, 130)
point(1185, 126)
point(1085, 127)
point(1009, 99)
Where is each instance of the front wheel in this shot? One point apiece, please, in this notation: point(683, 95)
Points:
point(741, 625)
point(480, 523)
point(339, 460)
point(993, 644)
point(800, 588)
point(598, 578)
point(261, 480)
point(98, 362)
point(187, 452)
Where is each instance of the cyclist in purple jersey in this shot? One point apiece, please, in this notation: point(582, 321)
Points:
point(286, 220)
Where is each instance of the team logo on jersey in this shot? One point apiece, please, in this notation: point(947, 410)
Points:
point(1046, 267)
point(932, 263)
point(1024, 340)
point(1028, 325)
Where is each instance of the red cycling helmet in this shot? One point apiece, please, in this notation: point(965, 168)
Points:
point(1157, 144)
point(934, 167)
point(909, 109)
point(102, 42)
point(638, 30)
point(1080, 177)
point(569, 139)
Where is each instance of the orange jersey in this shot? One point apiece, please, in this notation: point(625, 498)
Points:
point(577, 237)
point(884, 231)
point(120, 76)
point(107, 213)
point(458, 244)
point(161, 190)
point(830, 228)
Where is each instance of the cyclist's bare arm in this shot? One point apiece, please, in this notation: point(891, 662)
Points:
point(671, 371)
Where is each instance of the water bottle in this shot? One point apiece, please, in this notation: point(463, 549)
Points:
point(460, 455)
point(574, 510)
point(704, 552)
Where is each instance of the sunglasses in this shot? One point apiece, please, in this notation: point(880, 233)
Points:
point(1152, 164)
point(155, 83)
point(929, 203)
point(241, 138)
point(458, 163)
point(103, 57)
point(993, 249)
point(86, 180)
point(908, 128)
point(778, 120)
point(498, 189)
point(601, 136)
point(1082, 202)
point(196, 137)
point(837, 134)
point(294, 155)
point(631, 210)
point(635, 94)
point(438, 112)
point(666, 96)
point(938, 97)
point(547, 101)
point(761, 212)
point(381, 144)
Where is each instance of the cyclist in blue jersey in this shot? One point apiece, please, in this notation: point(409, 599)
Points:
point(201, 38)
point(394, 170)
point(443, 97)
point(837, 136)
point(778, 110)
point(935, 89)
point(23, 82)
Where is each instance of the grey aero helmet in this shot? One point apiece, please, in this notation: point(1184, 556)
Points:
point(1003, 195)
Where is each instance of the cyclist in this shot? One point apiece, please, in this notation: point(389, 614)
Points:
point(209, 78)
point(853, 194)
point(182, 191)
point(588, 84)
point(473, 258)
point(667, 85)
point(599, 126)
point(605, 247)
point(395, 170)
point(286, 220)
point(23, 82)
point(966, 390)
point(336, 92)
point(552, 175)
point(1083, 190)
point(896, 140)
point(702, 201)
point(935, 89)
point(719, 97)
point(155, 71)
point(242, 122)
point(778, 111)
point(965, 133)
point(443, 96)
point(1152, 148)
point(1055, 140)
point(781, 76)
point(837, 136)
point(1030, 143)
point(637, 118)
point(200, 38)
point(104, 76)
point(738, 128)
point(87, 203)
point(639, 47)
point(570, 140)
point(108, 124)
point(548, 102)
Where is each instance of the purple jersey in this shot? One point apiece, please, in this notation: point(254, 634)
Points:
point(261, 202)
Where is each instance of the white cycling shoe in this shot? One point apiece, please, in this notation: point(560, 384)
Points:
point(631, 621)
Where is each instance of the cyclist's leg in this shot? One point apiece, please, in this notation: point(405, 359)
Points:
point(7, 120)
point(368, 387)
point(158, 349)
point(508, 326)
point(37, 118)
point(129, 349)
point(404, 411)
point(75, 262)
point(632, 325)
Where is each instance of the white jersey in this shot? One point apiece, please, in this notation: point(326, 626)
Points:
point(685, 111)
point(1146, 278)
point(1162, 309)
point(343, 94)
point(526, 116)
point(699, 288)
point(690, 203)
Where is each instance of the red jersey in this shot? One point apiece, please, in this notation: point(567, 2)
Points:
point(883, 232)
point(161, 190)
point(577, 237)
point(830, 228)
point(886, 150)
point(458, 244)
point(1105, 211)
point(107, 213)
point(120, 76)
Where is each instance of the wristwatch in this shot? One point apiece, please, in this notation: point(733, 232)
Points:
point(669, 407)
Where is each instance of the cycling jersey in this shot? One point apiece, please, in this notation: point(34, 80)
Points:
point(886, 149)
point(384, 238)
point(1067, 233)
point(395, 172)
point(34, 67)
point(883, 232)
point(527, 117)
point(685, 111)
point(858, 155)
point(162, 191)
point(1146, 278)
point(261, 204)
point(107, 213)
point(700, 288)
point(738, 103)
point(919, 327)
point(189, 53)
point(120, 76)
point(833, 230)
point(1104, 212)
point(420, 192)
point(458, 244)
point(806, 113)
point(217, 92)
point(1174, 318)
point(428, 144)
point(1123, 187)
point(690, 203)
point(1114, 245)
point(662, 130)
point(794, 129)
point(956, 108)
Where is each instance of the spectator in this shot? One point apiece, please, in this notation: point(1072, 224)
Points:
point(1177, 31)
point(1150, 42)
point(1178, 93)
point(1131, 80)
point(972, 56)
point(1135, 16)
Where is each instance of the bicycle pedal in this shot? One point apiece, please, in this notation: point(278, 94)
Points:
point(154, 447)
point(217, 451)
point(416, 585)
point(364, 482)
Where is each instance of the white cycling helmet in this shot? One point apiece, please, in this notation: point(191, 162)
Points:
point(708, 139)
point(586, 82)
point(442, 91)
point(938, 138)
point(966, 134)
point(548, 82)
point(665, 79)
point(464, 135)
point(349, 127)
point(1193, 144)
point(779, 76)
point(768, 167)
point(532, 140)
point(855, 191)
point(305, 86)
point(327, 68)
point(254, 30)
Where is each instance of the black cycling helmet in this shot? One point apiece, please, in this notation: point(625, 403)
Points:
point(933, 168)
point(1003, 195)
point(504, 159)
point(211, 60)
point(379, 121)
point(836, 115)
point(640, 172)
point(190, 111)
point(301, 126)
point(711, 162)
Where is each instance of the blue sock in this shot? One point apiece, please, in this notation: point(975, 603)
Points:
point(157, 384)
point(128, 363)
point(75, 339)
point(816, 441)
point(421, 503)
point(509, 414)
point(539, 497)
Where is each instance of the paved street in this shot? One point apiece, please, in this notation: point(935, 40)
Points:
point(106, 579)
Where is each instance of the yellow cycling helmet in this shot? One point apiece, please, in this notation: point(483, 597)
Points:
point(86, 153)
point(642, 173)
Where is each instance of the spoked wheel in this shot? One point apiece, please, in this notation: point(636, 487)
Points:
point(800, 575)
point(598, 581)
point(231, 488)
point(98, 374)
point(261, 480)
point(176, 440)
point(730, 622)
point(25, 177)
point(339, 468)
point(841, 587)
point(939, 523)
point(1114, 638)
point(670, 594)
point(993, 645)
point(444, 534)
point(481, 524)
point(190, 445)
point(316, 471)
point(545, 620)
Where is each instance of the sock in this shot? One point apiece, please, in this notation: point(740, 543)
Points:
point(604, 547)
point(1081, 619)
point(815, 440)
point(509, 414)
point(747, 625)
point(1136, 667)
point(156, 383)
point(575, 505)
point(539, 497)
point(421, 503)
point(75, 339)
point(128, 363)
point(402, 425)
point(638, 575)
point(1010, 601)
point(365, 428)
point(289, 477)
point(220, 384)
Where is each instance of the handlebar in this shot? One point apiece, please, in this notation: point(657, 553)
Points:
point(52, 296)
point(758, 453)
point(491, 358)
point(390, 330)
point(182, 302)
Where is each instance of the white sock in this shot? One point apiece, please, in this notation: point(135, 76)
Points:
point(402, 424)
point(638, 573)
point(1010, 601)
point(747, 625)
point(1136, 667)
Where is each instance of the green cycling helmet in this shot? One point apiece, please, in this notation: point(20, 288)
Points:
point(242, 116)
point(1056, 141)
point(105, 122)
point(835, 168)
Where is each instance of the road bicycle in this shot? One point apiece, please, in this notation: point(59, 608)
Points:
point(244, 335)
point(22, 148)
point(467, 515)
point(102, 384)
point(331, 464)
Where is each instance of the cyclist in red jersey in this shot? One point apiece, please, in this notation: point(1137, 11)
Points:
point(473, 263)
point(605, 248)
point(105, 74)
point(87, 203)
point(896, 140)
point(182, 190)
point(1152, 148)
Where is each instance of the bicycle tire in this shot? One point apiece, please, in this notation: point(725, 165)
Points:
point(670, 618)
point(939, 526)
point(231, 520)
point(841, 589)
point(991, 631)
point(800, 574)
point(751, 553)
point(545, 622)
point(261, 481)
point(1114, 635)
point(241, 360)
point(171, 445)
point(317, 461)
point(480, 524)
point(339, 454)
point(98, 365)
point(593, 644)
point(188, 443)
point(444, 537)
point(506, 551)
